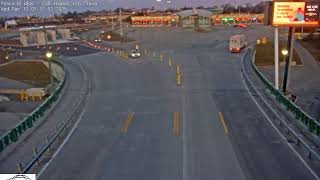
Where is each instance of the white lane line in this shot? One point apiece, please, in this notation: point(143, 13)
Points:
point(73, 128)
point(61, 146)
point(184, 141)
point(273, 125)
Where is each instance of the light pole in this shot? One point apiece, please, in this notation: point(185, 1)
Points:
point(284, 53)
point(112, 26)
point(49, 55)
point(288, 59)
point(120, 19)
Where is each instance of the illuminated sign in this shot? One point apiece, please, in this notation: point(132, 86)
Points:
point(295, 14)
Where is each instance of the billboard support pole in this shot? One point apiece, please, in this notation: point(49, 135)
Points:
point(276, 57)
point(288, 59)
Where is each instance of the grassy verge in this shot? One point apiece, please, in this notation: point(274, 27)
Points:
point(265, 54)
point(30, 72)
point(313, 46)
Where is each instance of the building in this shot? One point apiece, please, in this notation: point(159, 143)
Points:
point(154, 21)
point(10, 24)
point(237, 18)
point(39, 35)
point(195, 19)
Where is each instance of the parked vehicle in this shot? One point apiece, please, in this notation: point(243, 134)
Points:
point(237, 42)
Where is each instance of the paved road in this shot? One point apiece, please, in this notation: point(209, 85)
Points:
point(138, 125)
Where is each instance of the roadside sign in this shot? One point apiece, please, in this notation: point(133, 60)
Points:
point(295, 14)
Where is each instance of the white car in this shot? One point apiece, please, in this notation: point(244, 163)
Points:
point(135, 54)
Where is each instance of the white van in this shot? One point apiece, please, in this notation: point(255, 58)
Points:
point(237, 42)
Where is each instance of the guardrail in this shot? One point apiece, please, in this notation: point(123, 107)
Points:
point(312, 125)
point(13, 135)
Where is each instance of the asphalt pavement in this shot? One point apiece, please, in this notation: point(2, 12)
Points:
point(137, 124)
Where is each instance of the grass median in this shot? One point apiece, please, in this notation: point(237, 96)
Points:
point(265, 54)
point(30, 72)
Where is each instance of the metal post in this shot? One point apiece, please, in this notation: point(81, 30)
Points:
point(291, 55)
point(112, 21)
point(120, 19)
point(276, 57)
point(49, 60)
point(288, 59)
point(203, 22)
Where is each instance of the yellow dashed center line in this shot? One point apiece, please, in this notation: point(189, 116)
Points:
point(176, 125)
point(127, 123)
point(223, 123)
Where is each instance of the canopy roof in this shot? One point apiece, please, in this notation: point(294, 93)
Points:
point(195, 12)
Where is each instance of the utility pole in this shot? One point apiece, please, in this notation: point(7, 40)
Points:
point(49, 60)
point(112, 26)
point(276, 58)
point(288, 59)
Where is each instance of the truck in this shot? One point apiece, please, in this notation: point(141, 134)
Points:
point(237, 42)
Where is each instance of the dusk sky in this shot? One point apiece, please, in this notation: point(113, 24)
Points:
point(100, 4)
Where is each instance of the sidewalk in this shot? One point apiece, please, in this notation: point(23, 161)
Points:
point(304, 81)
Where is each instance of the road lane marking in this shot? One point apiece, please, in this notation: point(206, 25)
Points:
point(176, 124)
point(223, 123)
point(127, 123)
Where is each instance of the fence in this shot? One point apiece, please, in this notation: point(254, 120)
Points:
point(312, 125)
point(13, 135)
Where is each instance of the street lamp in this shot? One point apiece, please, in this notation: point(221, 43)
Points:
point(284, 52)
point(7, 57)
point(109, 37)
point(49, 55)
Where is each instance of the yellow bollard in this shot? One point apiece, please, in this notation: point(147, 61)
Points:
point(154, 54)
point(161, 58)
point(178, 69)
point(145, 52)
point(21, 96)
point(264, 40)
point(258, 41)
point(178, 79)
point(170, 62)
point(26, 96)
